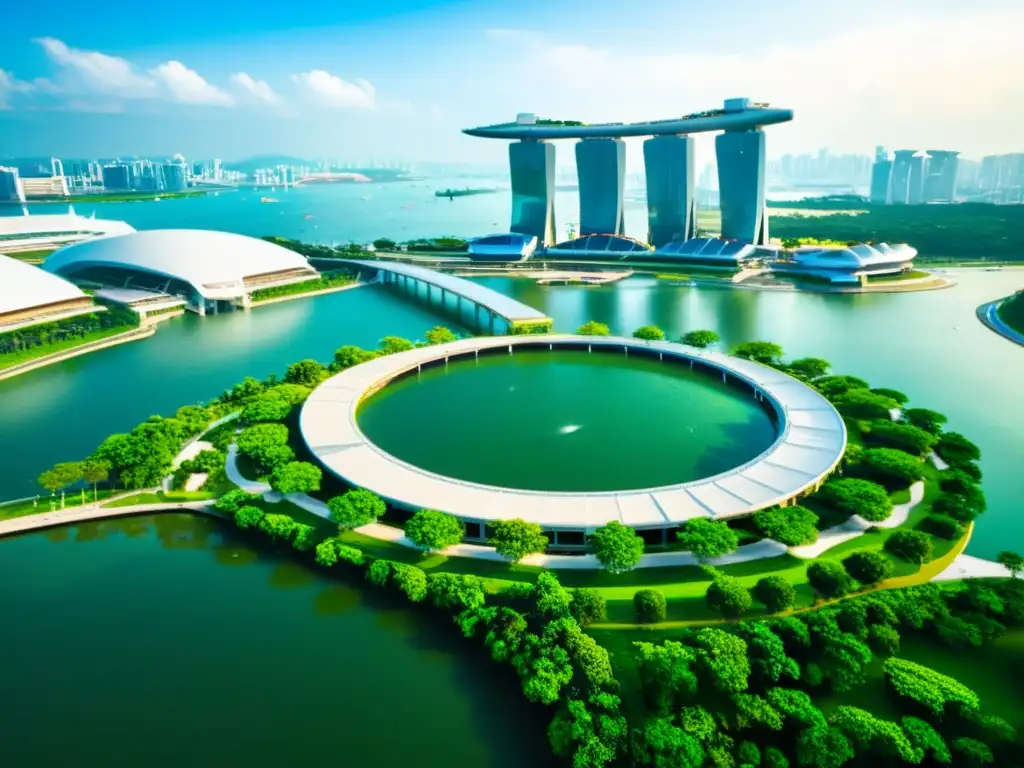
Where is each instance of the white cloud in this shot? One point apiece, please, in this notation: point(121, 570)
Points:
point(256, 88)
point(329, 90)
point(188, 86)
point(8, 85)
point(98, 71)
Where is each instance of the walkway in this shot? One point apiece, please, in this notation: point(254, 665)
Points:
point(989, 315)
point(236, 477)
point(971, 567)
point(73, 515)
point(856, 526)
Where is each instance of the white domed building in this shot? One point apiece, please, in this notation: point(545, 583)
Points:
point(29, 296)
point(210, 270)
point(851, 265)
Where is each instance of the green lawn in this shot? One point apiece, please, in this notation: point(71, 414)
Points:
point(33, 353)
point(160, 497)
point(71, 499)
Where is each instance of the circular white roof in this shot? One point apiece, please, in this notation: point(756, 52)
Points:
point(215, 263)
point(811, 441)
point(23, 286)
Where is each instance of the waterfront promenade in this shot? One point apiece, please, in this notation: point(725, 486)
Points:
point(90, 512)
point(989, 316)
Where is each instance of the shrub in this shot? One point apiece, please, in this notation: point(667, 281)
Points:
point(912, 546)
point(587, 606)
point(700, 339)
point(834, 387)
point(649, 333)
point(869, 568)
point(379, 572)
point(864, 404)
point(791, 526)
point(891, 467)
point(515, 539)
point(230, 502)
point(829, 579)
point(304, 538)
point(943, 526)
point(410, 580)
point(863, 498)
point(969, 468)
point(775, 593)
point(808, 368)
point(727, 596)
point(932, 690)
point(922, 418)
point(957, 449)
point(440, 335)
point(902, 436)
point(431, 530)
point(650, 606)
point(892, 394)
point(964, 507)
point(956, 481)
point(265, 409)
point(455, 592)
point(296, 477)
point(248, 517)
point(763, 352)
point(884, 639)
point(356, 508)
point(617, 547)
point(593, 328)
point(707, 538)
point(266, 445)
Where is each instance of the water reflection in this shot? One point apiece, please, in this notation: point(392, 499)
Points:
point(336, 600)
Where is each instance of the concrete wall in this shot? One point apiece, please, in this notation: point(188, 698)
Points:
point(741, 176)
point(601, 167)
point(671, 181)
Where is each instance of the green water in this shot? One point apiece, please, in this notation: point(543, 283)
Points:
point(567, 421)
point(170, 641)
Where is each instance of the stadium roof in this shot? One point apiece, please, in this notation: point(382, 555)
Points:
point(214, 263)
point(853, 257)
point(23, 286)
point(59, 223)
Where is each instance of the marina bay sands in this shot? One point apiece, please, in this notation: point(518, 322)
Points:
point(670, 170)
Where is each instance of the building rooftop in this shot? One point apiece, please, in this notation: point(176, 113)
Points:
point(24, 286)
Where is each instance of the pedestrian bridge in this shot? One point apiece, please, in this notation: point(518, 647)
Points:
point(475, 305)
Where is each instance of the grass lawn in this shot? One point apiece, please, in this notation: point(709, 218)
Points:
point(31, 256)
point(72, 499)
point(14, 358)
point(160, 497)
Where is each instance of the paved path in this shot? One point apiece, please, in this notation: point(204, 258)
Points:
point(231, 469)
point(989, 315)
point(89, 512)
point(971, 567)
point(855, 526)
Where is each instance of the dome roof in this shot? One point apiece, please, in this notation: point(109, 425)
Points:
point(23, 286)
point(214, 263)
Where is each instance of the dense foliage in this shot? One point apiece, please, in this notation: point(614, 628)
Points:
point(593, 328)
point(700, 339)
point(116, 317)
point(857, 497)
point(793, 526)
point(431, 530)
point(649, 333)
point(515, 539)
point(707, 538)
point(617, 547)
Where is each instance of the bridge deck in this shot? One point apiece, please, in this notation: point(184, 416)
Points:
point(498, 303)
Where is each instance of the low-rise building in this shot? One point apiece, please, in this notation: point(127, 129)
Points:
point(48, 231)
point(853, 264)
point(30, 296)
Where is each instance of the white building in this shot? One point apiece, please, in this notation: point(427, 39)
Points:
point(852, 265)
point(45, 232)
point(29, 296)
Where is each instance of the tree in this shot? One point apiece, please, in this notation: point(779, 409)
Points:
point(956, 481)
point(1013, 562)
point(588, 605)
point(248, 517)
point(792, 526)
point(455, 591)
point(852, 496)
point(307, 373)
point(233, 500)
point(553, 601)
point(246, 388)
point(280, 527)
point(808, 368)
point(194, 417)
point(650, 606)
point(891, 467)
point(973, 752)
point(515, 539)
point(649, 333)
point(293, 394)
point(932, 690)
point(912, 546)
point(721, 657)
point(823, 747)
point(701, 339)
point(892, 394)
point(431, 530)
point(903, 436)
point(864, 404)
point(440, 335)
point(617, 547)
point(763, 352)
point(384, 244)
point(664, 745)
point(265, 409)
point(60, 476)
point(410, 580)
point(356, 508)
point(884, 639)
point(926, 739)
point(304, 538)
point(391, 345)
point(349, 355)
point(965, 506)
point(95, 471)
point(593, 328)
point(266, 445)
point(296, 477)
point(957, 449)
point(834, 387)
point(943, 526)
point(828, 579)
point(922, 418)
point(869, 568)
point(727, 596)
point(775, 593)
point(707, 538)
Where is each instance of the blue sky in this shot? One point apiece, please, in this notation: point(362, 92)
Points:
point(397, 79)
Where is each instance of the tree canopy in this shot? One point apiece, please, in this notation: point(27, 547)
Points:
point(707, 538)
point(296, 477)
point(912, 546)
point(808, 368)
point(617, 547)
point(775, 593)
point(515, 539)
point(431, 530)
point(593, 328)
point(764, 352)
point(853, 496)
point(700, 339)
point(891, 467)
point(792, 526)
point(922, 418)
point(356, 508)
point(440, 335)
point(649, 333)
point(829, 579)
point(869, 568)
point(727, 596)
point(306, 373)
point(902, 436)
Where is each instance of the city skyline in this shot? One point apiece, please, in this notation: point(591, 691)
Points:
point(71, 83)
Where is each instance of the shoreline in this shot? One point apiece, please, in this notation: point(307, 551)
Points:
point(987, 314)
point(135, 334)
point(321, 292)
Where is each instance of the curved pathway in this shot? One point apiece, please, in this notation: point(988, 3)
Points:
point(989, 315)
point(971, 567)
point(89, 512)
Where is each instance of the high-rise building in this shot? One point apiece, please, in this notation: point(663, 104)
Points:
point(943, 171)
point(174, 177)
point(901, 164)
point(11, 190)
point(741, 179)
point(671, 202)
point(116, 178)
point(532, 170)
point(601, 168)
point(216, 169)
point(881, 178)
point(915, 185)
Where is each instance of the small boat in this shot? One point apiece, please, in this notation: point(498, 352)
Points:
point(269, 200)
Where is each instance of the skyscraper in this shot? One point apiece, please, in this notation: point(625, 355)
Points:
point(175, 179)
point(116, 178)
point(902, 161)
point(601, 169)
point(532, 170)
point(943, 172)
point(671, 202)
point(881, 178)
point(741, 178)
point(915, 185)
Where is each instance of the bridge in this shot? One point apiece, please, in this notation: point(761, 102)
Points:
point(488, 311)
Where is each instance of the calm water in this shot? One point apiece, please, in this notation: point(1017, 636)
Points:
point(169, 641)
point(567, 421)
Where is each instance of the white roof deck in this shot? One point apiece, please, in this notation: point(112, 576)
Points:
point(810, 443)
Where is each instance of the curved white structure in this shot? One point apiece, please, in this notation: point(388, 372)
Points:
point(847, 265)
point(29, 295)
point(38, 232)
point(810, 443)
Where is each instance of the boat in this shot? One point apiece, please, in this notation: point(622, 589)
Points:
point(269, 200)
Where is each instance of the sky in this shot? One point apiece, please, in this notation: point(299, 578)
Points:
point(397, 80)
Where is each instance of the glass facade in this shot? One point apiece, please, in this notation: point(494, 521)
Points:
point(741, 176)
point(881, 179)
point(601, 168)
point(901, 172)
point(532, 166)
point(671, 180)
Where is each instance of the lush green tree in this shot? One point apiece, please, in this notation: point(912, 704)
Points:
point(943, 526)
point(701, 339)
point(143, 457)
point(410, 580)
point(575, 736)
point(281, 527)
point(515, 539)
point(384, 244)
point(95, 471)
point(248, 517)
point(306, 373)
point(347, 356)
point(650, 606)
point(727, 596)
point(233, 500)
point(60, 476)
point(903, 436)
point(763, 352)
point(932, 690)
point(796, 707)
point(872, 735)
point(964, 507)
point(970, 469)
point(707, 538)
point(791, 526)
point(455, 591)
point(891, 467)
point(892, 394)
point(912, 546)
point(923, 418)
point(265, 409)
point(973, 753)
point(391, 345)
point(663, 745)
point(774, 758)
point(649, 333)
point(748, 754)
point(721, 658)
point(588, 606)
point(1012, 561)
point(440, 335)
point(926, 740)
point(356, 508)
point(431, 530)
point(864, 404)
point(808, 368)
point(956, 481)
point(593, 328)
point(266, 445)
point(852, 496)
point(823, 747)
point(379, 572)
point(293, 394)
point(775, 593)
point(246, 388)
point(666, 677)
point(296, 477)
point(617, 547)
point(828, 579)
point(957, 449)
point(869, 568)
point(884, 639)
point(835, 387)
point(303, 537)
point(195, 418)
point(553, 601)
